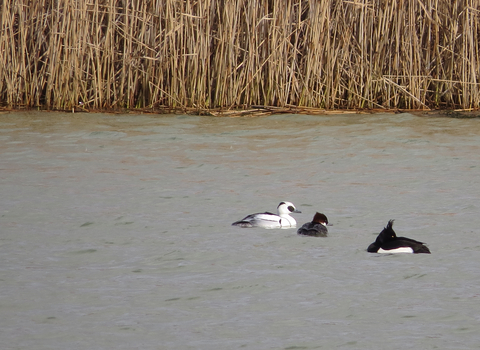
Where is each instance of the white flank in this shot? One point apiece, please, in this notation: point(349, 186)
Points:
point(395, 251)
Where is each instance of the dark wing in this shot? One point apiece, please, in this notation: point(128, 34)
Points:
point(405, 239)
point(418, 247)
point(312, 229)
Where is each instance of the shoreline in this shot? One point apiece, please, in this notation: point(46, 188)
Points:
point(254, 111)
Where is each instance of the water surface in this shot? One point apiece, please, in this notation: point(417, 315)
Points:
point(115, 232)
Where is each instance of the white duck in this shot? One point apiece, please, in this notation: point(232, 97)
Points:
point(270, 220)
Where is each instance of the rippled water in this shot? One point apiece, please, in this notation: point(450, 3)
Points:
point(115, 232)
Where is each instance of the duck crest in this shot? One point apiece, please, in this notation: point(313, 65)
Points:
point(387, 234)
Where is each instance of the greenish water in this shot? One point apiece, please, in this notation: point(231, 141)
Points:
point(115, 232)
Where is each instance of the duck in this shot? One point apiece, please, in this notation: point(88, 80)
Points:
point(270, 220)
point(388, 242)
point(316, 228)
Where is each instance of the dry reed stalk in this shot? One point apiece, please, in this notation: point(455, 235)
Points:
point(332, 54)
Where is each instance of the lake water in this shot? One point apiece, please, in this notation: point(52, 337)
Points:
point(116, 232)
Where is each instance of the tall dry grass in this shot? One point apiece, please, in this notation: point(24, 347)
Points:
point(332, 54)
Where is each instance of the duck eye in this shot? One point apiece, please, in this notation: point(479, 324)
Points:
point(291, 208)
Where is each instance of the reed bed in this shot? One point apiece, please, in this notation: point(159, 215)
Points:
point(226, 54)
